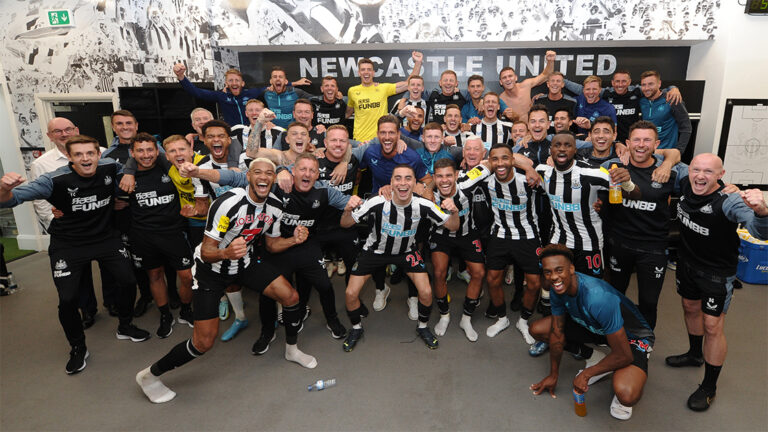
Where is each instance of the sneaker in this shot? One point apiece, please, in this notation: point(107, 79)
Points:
point(223, 309)
point(330, 267)
point(427, 337)
point(538, 349)
point(442, 325)
point(500, 325)
point(596, 357)
point(672, 265)
point(363, 310)
point(464, 276)
point(491, 312)
point(166, 326)
point(522, 327)
point(380, 301)
point(338, 330)
point(185, 317)
point(77, 358)
point(353, 336)
point(683, 360)
point(509, 276)
point(132, 332)
point(88, 320)
point(701, 399)
point(413, 308)
point(449, 275)
point(139, 309)
point(262, 344)
point(619, 411)
point(341, 268)
point(234, 329)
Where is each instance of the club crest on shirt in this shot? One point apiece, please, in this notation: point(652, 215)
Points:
point(316, 204)
point(60, 265)
point(124, 252)
point(656, 185)
point(575, 184)
point(108, 180)
point(185, 261)
point(707, 209)
point(165, 179)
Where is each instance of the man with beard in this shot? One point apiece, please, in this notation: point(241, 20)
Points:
point(302, 113)
point(672, 120)
point(266, 134)
point(329, 108)
point(517, 95)
point(472, 111)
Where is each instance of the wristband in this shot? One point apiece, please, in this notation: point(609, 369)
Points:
point(628, 186)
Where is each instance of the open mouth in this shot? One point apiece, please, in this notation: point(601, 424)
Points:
point(502, 171)
point(306, 183)
point(561, 158)
point(262, 188)
point(299, 146)
point(402, 191)
point(217, 150)
point(558, 286)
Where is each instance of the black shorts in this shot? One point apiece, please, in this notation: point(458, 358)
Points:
point(469, 248)
point(588, 262)
point(715, 292)
point(209, 286)
point(641, 349)
point(368, 262)
point(520, 253)
point(151, 250)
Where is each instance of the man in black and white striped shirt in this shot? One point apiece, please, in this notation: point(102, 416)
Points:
point(492, 130)
point(453, 133)
point(465, 243)
point(236, 221)
point(572, 187)
point(392, 241)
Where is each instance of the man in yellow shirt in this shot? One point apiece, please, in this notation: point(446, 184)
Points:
point(368, 101)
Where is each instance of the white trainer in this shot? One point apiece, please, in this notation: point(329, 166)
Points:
point(380, 301)
point(501, 325)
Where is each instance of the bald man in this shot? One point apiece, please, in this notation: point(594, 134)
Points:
point(709, 252)
point(59, 130)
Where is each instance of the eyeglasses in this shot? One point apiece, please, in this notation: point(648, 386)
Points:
point(68, 130)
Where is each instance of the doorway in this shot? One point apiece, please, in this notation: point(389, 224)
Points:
point(88, 111)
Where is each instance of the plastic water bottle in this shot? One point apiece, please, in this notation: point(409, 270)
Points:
point(320, 384)
point(614, 191)
point(579, 403)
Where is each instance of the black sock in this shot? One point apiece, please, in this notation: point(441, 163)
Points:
point(525, 313)
point(501, 310)
point(354, 316)
point(696, 343)
point(179, 355)
point(711, 373)
point(165, 310)
point(412, 291)
point(442, 305)
point(470, 305)
point(292, 319)
point(186, 307)
point(424, 312)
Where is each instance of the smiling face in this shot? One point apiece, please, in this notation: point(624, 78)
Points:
point(145, 153)
point(125, 128)
point(253, 110)
point(59, 130)
point(519, 130)
point(178, 152)
point(562, 121)
point(302, 112)
point(433, 140)
point(448, 83)
point(620, 83)
point(555, 84)
point(445, 178)
point(261, 176)
point(217, 140)
point(235, 83)
point(278, 81)
point(704, 172)
point(651, 87)
point(452, 120)
point(602, 136)
point(298, 139)
point(508, 79)
point(336, 143)
point(538, 123)
point(84, 158)
point(200, 118)
point(559, 274)
point(415, 88)
point(490, 107)
point(563, 150)
point(474, 151)
point(476, 89)
point(403, 181)
point(592, 91)
point(414, 123)
point(329, 88)
point(366, 73)
point(502, 162)
point(388, 135)
point(305, 174)
point(642, 143)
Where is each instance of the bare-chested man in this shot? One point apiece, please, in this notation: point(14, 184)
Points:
point(517, 95)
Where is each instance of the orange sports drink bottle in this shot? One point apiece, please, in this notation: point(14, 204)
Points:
point(579, 403)
point(614, 191)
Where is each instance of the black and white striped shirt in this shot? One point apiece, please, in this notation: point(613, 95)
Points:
point(421, 103)
point(393, 228)
point(514, 215)
point(498, 132)
point(460, 136)
point(204, 188)
point(462, 198)
point(234, 215)
point(572, 194)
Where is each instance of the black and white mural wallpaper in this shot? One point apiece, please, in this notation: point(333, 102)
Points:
point(129, 42)
point(289, 22)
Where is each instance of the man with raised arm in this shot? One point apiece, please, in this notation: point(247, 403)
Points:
point(517, 95)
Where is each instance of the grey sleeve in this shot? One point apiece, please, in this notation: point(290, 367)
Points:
point(412, 143)
point(302, 94)
point(337, 199)
point(684, 127)
point(359, 151)
point(232, 178)
point(235, 149)
point(40, 188)
point(736, 210)
point(574, 87)
point(130, 167)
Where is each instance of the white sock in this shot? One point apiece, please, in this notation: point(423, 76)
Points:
point(523, 322)
point(236, 300)
point(466, 325)
point(357, 326)
point(442, 325)
point(151, 385)
point(294, 354)
point(422, 324)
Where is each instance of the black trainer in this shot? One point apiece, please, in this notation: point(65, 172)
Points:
point(132, 332)
point(307, 313)
point(354, 335)
point(88, 320)
point(363, 310)
point(338, 331)
point(185, 316)
point(427, 337)
point(683, 360)
point(262, 344)
point(166, 326)
point(701, 399)
point(141, 306)
point(77, 358)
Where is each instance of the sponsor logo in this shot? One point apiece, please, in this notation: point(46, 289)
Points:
point(322, 171)
point(322, 262)
point(433, 246)
point(72, 192)
point(108, 180)
point(658, 272)
point(693, 226)
point(60, 274)
point(60, 265)
point(374, 162)
point(223, 224)
point(639, 205)
point(150, 199)
point(286, 200)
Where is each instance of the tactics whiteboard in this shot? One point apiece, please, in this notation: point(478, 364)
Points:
point(744, 142)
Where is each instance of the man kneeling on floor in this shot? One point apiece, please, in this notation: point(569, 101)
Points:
point(589, 310)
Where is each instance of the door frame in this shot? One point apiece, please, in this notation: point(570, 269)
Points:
point(44, 106)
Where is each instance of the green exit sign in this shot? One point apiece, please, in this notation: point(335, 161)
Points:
point(59, 18)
